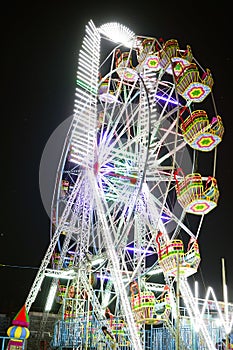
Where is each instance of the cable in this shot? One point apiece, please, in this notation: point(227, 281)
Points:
point(19, 267)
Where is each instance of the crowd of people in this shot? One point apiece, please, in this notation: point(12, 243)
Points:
point(221, 345)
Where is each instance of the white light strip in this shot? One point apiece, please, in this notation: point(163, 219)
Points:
point(106, 298)
point(51, 297)
point(154, 272)
point(118, 33)
point(224, 319)
point(97, 261)
point(68, 274)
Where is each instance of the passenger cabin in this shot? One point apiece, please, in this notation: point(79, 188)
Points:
point(173, 59)
point(148, 309)
point(191, 86)
point(148, 55)
point(124, 67)
point(201, 134)
point(194, 197)
point(105, 93)
point(145, 48)
point(171, 257)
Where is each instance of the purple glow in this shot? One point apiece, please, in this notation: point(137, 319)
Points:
point(167, 99)
point(165, 218)
point(139, 250)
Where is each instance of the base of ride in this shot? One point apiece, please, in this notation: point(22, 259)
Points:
point(78, 333)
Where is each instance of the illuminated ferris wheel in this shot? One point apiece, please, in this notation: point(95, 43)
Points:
point(128, 177)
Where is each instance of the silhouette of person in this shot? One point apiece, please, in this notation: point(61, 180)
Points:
point(110, 339)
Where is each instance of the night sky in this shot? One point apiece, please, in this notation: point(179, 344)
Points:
point(39, 51)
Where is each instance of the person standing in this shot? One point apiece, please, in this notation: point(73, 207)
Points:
point(110, 339)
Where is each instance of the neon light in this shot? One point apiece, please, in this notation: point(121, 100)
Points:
point(139, 250)
point(196, 92)
point(51, 297)
point(155, 271)
point(118, 33)
point(171, 100)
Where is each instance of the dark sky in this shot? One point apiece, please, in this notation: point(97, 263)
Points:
point(39, 50)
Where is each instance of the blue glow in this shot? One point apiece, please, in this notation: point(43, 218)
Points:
point(165, 218)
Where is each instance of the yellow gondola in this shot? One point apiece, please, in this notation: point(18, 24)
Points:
point(191, 86)
point(193, 196)
point(124, 67)
point(171, 256)
point(147, 308)
point(173, 59)
point(201, 134)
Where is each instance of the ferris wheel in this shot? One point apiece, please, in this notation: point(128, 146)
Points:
point(128, 176)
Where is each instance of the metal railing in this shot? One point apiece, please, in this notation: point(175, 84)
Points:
point(4, 342)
